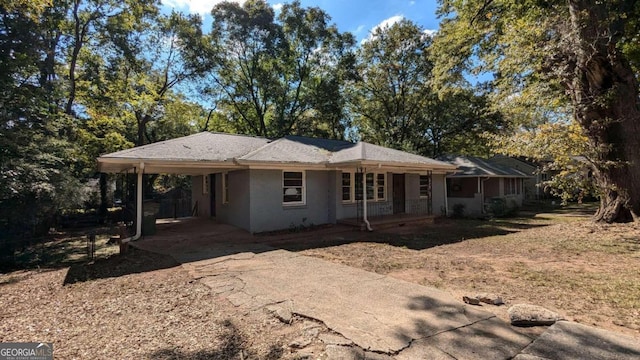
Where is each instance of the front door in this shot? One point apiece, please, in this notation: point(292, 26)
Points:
point(398, 194)
point(212, 193)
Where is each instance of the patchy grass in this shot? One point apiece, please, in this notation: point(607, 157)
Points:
point(588, 272)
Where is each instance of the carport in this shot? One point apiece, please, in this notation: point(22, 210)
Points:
point(192, 155)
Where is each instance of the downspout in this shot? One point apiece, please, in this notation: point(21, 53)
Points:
point(138, 208)
point(364, 199)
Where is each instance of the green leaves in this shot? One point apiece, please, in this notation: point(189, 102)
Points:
point(268, 75)
point(395, 102)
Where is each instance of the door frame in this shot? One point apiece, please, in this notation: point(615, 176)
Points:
point(399, 193)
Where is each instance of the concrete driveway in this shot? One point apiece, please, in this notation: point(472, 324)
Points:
point(376, 316)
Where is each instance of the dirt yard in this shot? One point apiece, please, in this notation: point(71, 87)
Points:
point(144, 305)
point(138, 306)
point(588, 273)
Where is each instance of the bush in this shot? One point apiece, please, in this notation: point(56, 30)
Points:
point(458, 210)
point(500, 208)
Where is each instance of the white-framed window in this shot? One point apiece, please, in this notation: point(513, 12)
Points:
point(205, 183)
point(381, 188)
point(293, 188)
point(225, 188)
point(425, 182)
point(352, 185)
point(347, 188)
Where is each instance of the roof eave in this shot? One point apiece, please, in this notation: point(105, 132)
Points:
point(114, 165)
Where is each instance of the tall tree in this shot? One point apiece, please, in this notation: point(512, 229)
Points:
point(395, 103)
point(392, 88)
point(264, 72)
point(37, 162)
point(580, 52)
point(100, 23)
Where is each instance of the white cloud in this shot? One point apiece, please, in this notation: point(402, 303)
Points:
point(277, 7)
point(196, 6)
point(430, 32)
point(359, 29)
point(411, 3)
point(386, 23)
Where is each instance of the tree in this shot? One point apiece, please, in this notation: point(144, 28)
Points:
point(37, 160)
point(263, 72)
point(581, 53)
point(99, 23)
point(392, 91)
point(395, 104)
point(562, 149)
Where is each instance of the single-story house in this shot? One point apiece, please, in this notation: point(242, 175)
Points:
point(261, 184)
point(479, 182)
point(533, 189)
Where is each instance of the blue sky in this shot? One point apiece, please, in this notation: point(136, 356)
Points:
point(356, 16)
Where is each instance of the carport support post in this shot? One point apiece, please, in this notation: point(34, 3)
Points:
point(139, 203)
point(364, 199)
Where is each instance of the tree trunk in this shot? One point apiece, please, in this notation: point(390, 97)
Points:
point(604, 92)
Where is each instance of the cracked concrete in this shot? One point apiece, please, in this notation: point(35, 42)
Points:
point(374, 312)
point(372, 316)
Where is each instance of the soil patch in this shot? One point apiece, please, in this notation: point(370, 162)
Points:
point(587, 272)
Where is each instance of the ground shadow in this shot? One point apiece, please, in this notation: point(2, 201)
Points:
point(133, 262)
point(233, 345)
point(442, 232)
point(459, 331)
point(55, 250)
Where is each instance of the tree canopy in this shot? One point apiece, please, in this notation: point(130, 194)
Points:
point(273, 76)
point(80, 78)
point(395, 101)
point(548, 55)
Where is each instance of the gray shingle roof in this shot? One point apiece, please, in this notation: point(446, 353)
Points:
point(218, 147)
point(469, 166)
point(204, 146)
point(363, 151)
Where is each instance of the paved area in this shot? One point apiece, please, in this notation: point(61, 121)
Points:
point(372, 314)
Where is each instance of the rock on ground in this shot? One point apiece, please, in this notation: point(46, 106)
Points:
point(532, 315)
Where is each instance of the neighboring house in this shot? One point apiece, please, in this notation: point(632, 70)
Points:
point(532, 188)
point(261, 185)
point(479, 182)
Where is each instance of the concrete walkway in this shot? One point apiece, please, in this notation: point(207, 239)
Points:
point(376, 314)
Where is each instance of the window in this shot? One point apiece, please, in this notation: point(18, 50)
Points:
point(376, 186)
point(425, 185)
point(225, 188)
point(381, 194)
point(512, 186)
point(293, 187)
point(346, 187)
